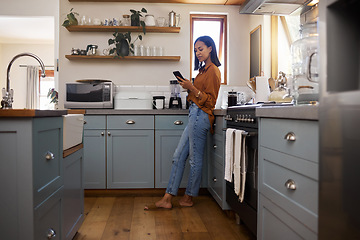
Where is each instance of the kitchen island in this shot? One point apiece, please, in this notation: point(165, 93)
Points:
point(34, 177)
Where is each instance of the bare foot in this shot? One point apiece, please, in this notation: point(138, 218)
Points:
point(165, 202)
point(186, 201)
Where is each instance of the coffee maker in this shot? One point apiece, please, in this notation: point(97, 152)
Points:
point(175, 99)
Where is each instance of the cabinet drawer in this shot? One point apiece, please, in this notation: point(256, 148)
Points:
point(47, 217)
point(95, 122)
point(275, 223)
point(276, 169)
point(306, 144)
point(220, 125)
point(216, 180)
point(130, 122)
point(171, 122)
point(47, 164)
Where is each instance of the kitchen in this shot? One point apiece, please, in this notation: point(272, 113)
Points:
point(128, 73)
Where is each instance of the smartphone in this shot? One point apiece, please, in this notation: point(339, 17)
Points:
point(178, 74)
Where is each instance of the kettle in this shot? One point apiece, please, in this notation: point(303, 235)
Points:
point(91, 49)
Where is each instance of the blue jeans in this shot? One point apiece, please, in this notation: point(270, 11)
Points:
point(192, 145)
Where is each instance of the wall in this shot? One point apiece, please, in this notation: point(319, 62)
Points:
point(18, 74)
point(147, 72)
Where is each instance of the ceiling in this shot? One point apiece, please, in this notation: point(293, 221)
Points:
point(27, 29)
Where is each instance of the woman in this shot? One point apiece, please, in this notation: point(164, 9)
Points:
point(202, 96)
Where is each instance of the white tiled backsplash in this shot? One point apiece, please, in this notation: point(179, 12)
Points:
point(165, 91)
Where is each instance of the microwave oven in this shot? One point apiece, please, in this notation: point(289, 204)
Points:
point(89, 95)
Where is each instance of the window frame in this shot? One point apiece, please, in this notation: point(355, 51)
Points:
point(222, 51)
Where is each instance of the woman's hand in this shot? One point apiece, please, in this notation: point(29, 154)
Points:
point(185, 83)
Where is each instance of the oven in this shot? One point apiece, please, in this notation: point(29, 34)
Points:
point(243, 118)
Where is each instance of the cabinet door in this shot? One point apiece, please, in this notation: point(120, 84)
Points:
point(73, 209)
point(47, 218)
point(166, 142)
point(47, 157)
point(130, 156)
point(94, 159)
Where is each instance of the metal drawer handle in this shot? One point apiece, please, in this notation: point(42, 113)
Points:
point(290, 136)
point(130, 122)
point(290, 184)
point(178, 122)
point(215, 146)
point(49, 155)
point(85, 122)
point(102, 133)
point(51, 233)
point(214, 179)
point(109, 133)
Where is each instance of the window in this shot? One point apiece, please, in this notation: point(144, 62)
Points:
point(46, 83)
point(215, 27)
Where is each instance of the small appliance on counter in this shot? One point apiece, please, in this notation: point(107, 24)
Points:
point(133, 100)
point(89, 93)
point(158, 102)
point(175, 99)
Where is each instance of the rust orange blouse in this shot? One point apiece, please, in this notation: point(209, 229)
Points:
point(208, 82)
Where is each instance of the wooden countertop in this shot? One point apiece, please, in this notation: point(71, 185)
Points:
point(31, 113)
point(302, 112)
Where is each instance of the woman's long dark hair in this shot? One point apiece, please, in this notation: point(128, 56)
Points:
point(209, 42)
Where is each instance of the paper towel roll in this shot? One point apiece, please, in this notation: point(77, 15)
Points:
point(262, 89)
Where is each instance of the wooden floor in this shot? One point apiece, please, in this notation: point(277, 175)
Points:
point(123, 217)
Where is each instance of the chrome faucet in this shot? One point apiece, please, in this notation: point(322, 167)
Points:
point(8, 94)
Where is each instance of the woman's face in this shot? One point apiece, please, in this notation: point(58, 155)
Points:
point(202, 51)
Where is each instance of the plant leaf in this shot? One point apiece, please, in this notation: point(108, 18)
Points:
point(144, 10)
point(142, 23)
point(111, 41)
point(66, 23)
point(112, 51)
point(140, 37)
point(133, 11)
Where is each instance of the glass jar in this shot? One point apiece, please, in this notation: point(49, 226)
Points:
point(305, 65)
point(126, 20)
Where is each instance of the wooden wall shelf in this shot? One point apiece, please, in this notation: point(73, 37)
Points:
point(94, 28)
point(127, 58)
point(217, 2)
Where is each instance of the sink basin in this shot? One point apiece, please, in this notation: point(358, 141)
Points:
point(73, 127)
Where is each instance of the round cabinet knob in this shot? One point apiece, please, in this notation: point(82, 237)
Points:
point(102, 133)
point(290, 184)
point(178, 122)
point(214, 179)
point(109, 133)
point(290, 136)
point(85, 122)
point(130, 122)
point(49, 156)
point(215, 146)
point(51, 233)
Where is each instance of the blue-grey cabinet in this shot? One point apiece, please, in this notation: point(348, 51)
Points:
point(31, 178)
point(95, 152)
point(216, 163)
point(168, 130)
point(73, 208)
point(130, 151)
point(288, 179)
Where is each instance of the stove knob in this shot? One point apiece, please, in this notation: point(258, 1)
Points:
point(252, 120)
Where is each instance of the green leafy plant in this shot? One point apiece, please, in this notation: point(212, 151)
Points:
point(70, 19)
point(54, 96)
point(122, 41)
point(135, 18)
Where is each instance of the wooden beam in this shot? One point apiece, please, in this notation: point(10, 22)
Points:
point(286, 30)
point(274, 46)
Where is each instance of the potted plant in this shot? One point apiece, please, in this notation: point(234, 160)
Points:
point(123, 45)
point(70, 19)
point(135, 18)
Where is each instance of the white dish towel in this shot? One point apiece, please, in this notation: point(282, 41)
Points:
point(229, 154)
point(237, 161)
point(243, 167)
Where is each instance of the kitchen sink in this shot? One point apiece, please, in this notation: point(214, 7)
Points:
point(73, 127)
